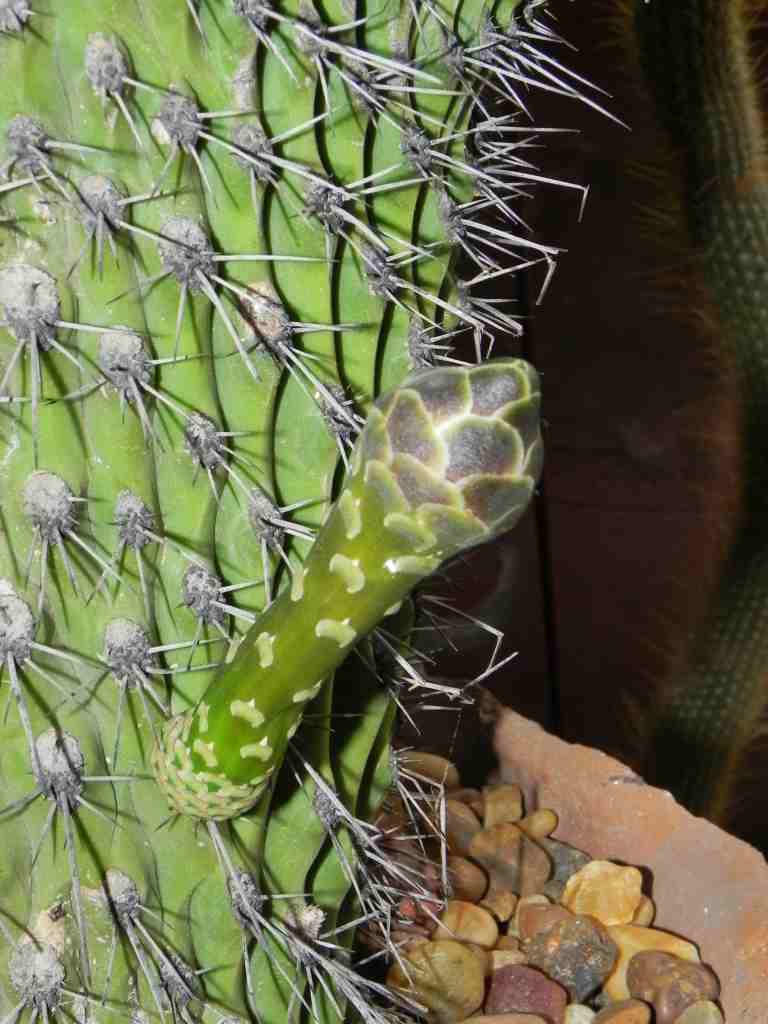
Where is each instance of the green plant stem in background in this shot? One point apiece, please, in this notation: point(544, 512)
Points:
point(695, 54)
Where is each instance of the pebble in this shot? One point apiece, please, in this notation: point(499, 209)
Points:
point(628, 1011)
point(461, 826)
point(502, 802)
point(577, 952)
point(566, 861)
point(512, 860)
point(467, 880)
point(444, 976)
point(703, 1012)
point(539, 824)
point(466, 795)
point(669, 983)
point(431, 766)
point(466, 922)
point(577, 1013)
point(533, 918)
point(501, 903)
point(522, 989)
point(483, 955)
point(534, 900)
point(504, 957)
point(610, 892)
point(508, 1018)
point(631, 939)
point(645, 913)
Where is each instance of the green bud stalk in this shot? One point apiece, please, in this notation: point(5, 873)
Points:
point(446, 461)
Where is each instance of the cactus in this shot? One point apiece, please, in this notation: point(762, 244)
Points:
point(242, 417)
point(697, 64)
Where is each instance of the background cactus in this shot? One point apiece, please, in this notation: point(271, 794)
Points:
point(228, 227)
point(704, 81)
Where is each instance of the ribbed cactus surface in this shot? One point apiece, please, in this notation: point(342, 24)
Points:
point(229, 234)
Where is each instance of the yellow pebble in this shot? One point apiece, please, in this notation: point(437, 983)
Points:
point(645, 913)
point(607, 891)
point(467, 922)
point(444, 976)
point(503, 802)
point(540, 824)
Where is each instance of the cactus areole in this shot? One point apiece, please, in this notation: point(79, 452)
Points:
point(254, 258)
point(446, 461)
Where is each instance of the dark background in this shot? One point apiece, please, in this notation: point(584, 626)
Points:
point(598, 589)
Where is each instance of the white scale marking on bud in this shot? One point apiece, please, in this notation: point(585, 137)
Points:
point(247, 710)
point(207, 751)
point(302, 696)
point(261, 750)
point(349, 508)
point(297, 584)
point(202, 714)
point(411, 565)
point(335, 629)
point(350, 572)
point(265, 644)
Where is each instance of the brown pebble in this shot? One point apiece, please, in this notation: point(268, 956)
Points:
point(461, 826)
point(539, 824)
point(512, 860)
point(610, 892)
point(508, 942)
point(502, 903)
point(444, 976)
point(508, 1018)
point(467, 881)
point(628, 1011)
point(577, 952)
point(566, 861)
point(702, 1012)
point(431, 766)
point(522, 989)
point(502, 802)
point(534, 900)
point(632, 939)
point(533, 918)
point(669, 983)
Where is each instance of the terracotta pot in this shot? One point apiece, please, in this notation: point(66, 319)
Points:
point(708, 886)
